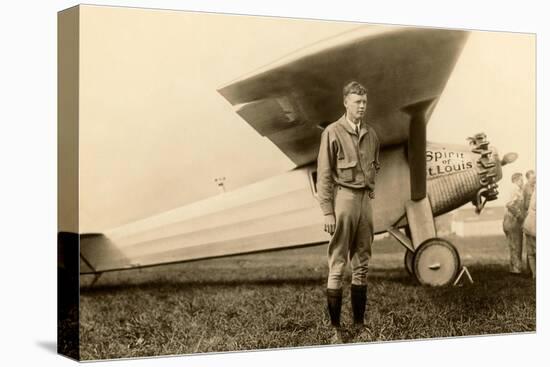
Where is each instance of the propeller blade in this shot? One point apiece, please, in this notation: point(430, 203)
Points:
point(417, 146)
point(508, 158)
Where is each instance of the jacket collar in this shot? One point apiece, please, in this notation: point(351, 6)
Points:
point(344, 123)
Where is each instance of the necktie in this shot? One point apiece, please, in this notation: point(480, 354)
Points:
point(357, 129)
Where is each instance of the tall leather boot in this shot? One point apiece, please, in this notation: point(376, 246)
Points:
point(334, 303)
point(358, 304)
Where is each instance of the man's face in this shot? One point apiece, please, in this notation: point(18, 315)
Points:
point(356, 106)
point(532, 179)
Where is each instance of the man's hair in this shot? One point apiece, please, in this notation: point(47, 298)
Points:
point(529, 173)
point(354, 88)
point(516, 176)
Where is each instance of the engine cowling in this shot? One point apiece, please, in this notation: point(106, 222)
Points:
point(457, 175)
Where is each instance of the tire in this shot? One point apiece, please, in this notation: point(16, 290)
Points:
point(436, 263)
point(409, 255)
point(409, 262)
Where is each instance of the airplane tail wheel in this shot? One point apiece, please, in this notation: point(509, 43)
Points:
point(409, 262)
point(436, 262)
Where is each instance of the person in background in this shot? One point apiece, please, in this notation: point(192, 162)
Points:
point(528, 188)
point(530, 231)
point(512, 223)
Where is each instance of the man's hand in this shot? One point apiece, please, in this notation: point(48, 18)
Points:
point(330, 224)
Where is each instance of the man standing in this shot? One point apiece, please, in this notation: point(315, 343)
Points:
point(513, 220)
point(346, 169)
point(529, 225)
point(528, 188)
point(530, 230)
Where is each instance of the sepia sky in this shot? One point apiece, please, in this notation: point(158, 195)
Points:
point(154, 133)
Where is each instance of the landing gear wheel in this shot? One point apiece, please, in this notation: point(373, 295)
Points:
point(409, 262)
point(436, 262)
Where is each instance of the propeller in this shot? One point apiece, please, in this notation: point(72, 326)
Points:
point(508, 158)
point(417, 146)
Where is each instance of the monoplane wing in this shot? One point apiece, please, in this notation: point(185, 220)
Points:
point(293, 99)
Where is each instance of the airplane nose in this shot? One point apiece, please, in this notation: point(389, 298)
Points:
point(489, 170)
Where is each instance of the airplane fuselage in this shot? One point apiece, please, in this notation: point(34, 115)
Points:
point(280, 212)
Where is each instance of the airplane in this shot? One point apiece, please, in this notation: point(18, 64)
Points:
point(290, 102)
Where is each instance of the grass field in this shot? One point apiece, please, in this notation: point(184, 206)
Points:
point(274, 300)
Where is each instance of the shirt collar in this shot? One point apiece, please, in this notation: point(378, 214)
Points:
point(352, 124)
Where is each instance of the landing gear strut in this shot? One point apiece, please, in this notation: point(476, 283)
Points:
point(409, 262)
point(409, 255)
point(435, 262)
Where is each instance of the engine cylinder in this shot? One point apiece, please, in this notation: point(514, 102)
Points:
point(452, 191)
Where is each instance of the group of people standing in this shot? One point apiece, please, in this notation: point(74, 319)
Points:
point(520, 220)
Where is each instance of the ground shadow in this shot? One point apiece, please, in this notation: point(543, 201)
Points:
point(48, 345)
